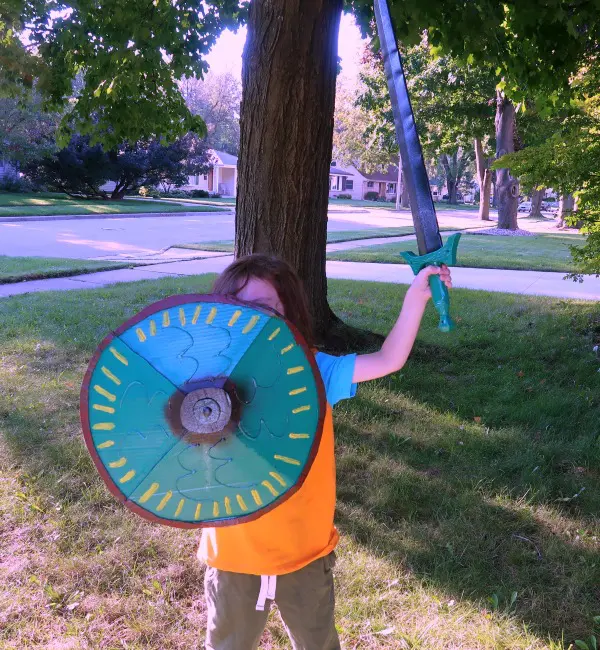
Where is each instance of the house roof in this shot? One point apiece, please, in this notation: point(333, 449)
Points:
point(225, 158)
point(336, 171)
point(390, 176)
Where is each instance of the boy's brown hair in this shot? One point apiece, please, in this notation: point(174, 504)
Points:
point(278, 273)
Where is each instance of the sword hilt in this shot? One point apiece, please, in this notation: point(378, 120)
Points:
point(439, 292)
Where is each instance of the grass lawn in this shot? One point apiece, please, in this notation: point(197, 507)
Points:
point(468, 477)
point(226, 246)
point(57, 204)
point(439, 205)
point(547, 252)
point(16, 269)
point(223, 201)
point(443, 205)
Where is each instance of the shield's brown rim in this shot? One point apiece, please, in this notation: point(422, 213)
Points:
point(166, 303)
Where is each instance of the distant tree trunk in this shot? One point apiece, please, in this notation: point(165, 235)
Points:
point(399, 185)
point(484, 177)
point(507, 186)
point(450, 178)
point(495, 190)
point(536, 203)
point(288, 77)
point(566, 207)
point(404, 198)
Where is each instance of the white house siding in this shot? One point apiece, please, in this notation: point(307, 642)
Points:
point(221, 178)
point(352, 185)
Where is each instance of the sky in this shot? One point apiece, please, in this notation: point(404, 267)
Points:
point(226, 56)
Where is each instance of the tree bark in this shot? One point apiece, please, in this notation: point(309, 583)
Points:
point(484, 177)
point(450, 179)
point(566, 207)
point(536, 203)
point(404, 198)
point(507, 186)
point(399, 185)
point(495, 190)
point(288, 82)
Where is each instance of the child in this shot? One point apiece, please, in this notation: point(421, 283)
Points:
point(287, 554)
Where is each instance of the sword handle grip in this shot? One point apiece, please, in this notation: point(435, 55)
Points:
point(439, 291)
point(441, 300)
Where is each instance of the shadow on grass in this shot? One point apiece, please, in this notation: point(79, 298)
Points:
point(474, 514)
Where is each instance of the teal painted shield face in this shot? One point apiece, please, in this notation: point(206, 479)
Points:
point(203, 412)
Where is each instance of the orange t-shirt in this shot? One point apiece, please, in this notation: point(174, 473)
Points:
point(301, 529)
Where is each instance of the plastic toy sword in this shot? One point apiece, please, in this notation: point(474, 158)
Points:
point(431, 249)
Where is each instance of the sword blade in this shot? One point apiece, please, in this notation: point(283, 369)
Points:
point(413, 165)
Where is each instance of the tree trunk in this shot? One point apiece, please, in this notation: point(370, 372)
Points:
point(451, 191)
point(450, 179)
point(399, 185)
point(536, 203)
point(507, 186)
point(495, 188)
point(405, 198)
point(484, 177)
point(566, 207)
point(288, 81)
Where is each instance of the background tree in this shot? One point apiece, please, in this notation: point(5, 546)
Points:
point(357, 137)
point(130, 56)
point(569, 161)
point(456, 167)
point(216, 99)
point(26, 132)
point(19, 67)
point(82, 169)
point(452, 107)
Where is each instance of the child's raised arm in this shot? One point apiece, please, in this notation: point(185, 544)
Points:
point(399, 342)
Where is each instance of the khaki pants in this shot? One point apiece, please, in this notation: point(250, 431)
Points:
point(305, 600)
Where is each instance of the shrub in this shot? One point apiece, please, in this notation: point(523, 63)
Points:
point(215, 195)
point(176, 194)
point(14, 184)
point(199, 194)
point(149, 192)
point(371, 196)
point(344, 196)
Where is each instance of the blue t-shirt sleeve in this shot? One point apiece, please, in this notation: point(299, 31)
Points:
point(337, 373)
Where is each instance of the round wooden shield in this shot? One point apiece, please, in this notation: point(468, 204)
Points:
point(203, 411)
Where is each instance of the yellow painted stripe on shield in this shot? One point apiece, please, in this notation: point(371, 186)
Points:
point(149, 492)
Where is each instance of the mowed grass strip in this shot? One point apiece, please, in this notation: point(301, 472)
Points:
point(33, 205)
point(547, 252)
point(333, 237)
point(18, 269)
point(469, 476)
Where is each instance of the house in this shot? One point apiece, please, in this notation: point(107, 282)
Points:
point(351, 180)
point(357, 183)
point(221, 178)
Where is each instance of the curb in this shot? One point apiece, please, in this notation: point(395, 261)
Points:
point(134, 215)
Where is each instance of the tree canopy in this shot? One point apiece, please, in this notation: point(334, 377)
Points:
point(131, 53)
point(534, 47)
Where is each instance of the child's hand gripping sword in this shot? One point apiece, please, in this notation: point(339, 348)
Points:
point(429, 241)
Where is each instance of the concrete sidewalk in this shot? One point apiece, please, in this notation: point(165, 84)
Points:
point(521, 282)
